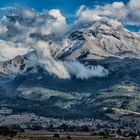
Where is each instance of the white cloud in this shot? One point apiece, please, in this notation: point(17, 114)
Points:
point(134, 12)
point(3, 29)
point(28, 13)
point(56, 14)
point(116, 10)
point(9, 50)
point(85, 14)
point(85, 72)
point(135, 6)
point(127, 14)
point(60, 25)
point(25, 21)
point(51, 65)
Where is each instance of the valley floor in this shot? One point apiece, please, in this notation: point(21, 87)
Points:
point(62, 136)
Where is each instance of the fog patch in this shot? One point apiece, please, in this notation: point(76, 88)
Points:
point(80, 71)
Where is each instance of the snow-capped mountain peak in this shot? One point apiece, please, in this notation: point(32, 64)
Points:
point(99, 40)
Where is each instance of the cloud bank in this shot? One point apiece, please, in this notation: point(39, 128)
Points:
point(80, 71)
point(128, 13)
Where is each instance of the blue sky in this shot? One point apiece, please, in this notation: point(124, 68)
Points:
point(67, 7)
